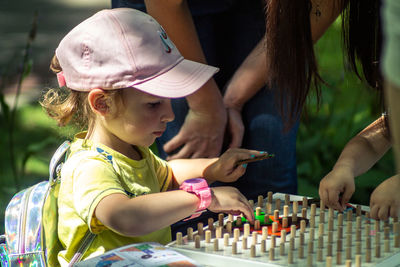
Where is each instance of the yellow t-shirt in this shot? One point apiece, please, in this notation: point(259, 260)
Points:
point(92, 172)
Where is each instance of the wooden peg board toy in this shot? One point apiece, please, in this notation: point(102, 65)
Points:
point(293, 230)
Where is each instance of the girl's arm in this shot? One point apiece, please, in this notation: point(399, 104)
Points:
point(358, 156)
point(223, 169)
point(147, 213)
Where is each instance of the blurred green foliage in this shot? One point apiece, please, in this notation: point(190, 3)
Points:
point(347, 107)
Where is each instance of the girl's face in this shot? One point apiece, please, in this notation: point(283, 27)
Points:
point(140, 117)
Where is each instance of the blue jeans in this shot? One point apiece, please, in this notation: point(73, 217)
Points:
point(228, 30)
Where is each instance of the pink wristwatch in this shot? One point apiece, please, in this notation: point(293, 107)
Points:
point(199, 187)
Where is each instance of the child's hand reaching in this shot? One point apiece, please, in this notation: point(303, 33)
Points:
point(228, 199)
point(226, 168)
point(339, 181)
point(385, 200)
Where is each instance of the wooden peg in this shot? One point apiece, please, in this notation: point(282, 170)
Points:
point(293, 231)
point(302, 226)
point(331, 215)
point(258, 211)
point(260, 201)
point(348, 253)
point(234, 247)
point(286, 211)
point(269, 208)
point(278, 204)
point(263, 246)
point(305, 203)
point(226, 239)
point(264, 230)
point(230, 217)
point(221, 219)
point(340, 219)
point(208, 236)
point(358, 247)
point(304, 213)
point(290, 256)
point(330, 236)
point(218, 232)
point(313, 211)
point(269, 197)
point(287, 199)
point(339, 232)
point(301, 238)
point(329, 249)
point(216, 244)
point(229, 227)
point(301, 252)
point(236, 234)
point(321, 241)
point(321, 205)
point(294, 217)
point(338, 257)
point(295, 207)
point(285, 222)
point(358, 260)
point(274, 227)
point(179, 238)
point(322, 216)
point(254, 237)
point(197, 241)
point(273, 241)
point(276, 215)
point(368, 255)
point(271, 253)
point(282, 249)
point(283, 235)
point(358, 210)
point(319, 254)
point(348, 263)
point(349, 227)
point(200, 229)
point(253, 251)
point(244, 242)
point(349, 215)
point(246, 230)
point(251, 202)
point(329, 261)
point(189, 233)
point(211, 224)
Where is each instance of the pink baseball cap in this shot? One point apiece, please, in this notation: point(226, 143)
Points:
point(123, 47)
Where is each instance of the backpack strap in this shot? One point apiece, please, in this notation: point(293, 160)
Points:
point(53, 245)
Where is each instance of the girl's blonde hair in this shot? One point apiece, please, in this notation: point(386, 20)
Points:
point(70, 106)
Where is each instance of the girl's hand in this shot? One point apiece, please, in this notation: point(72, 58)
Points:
point(339, 181)
point(226, 168)
point(228, 199)
point(385, 200)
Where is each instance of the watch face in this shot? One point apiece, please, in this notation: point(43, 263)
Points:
point(194, 180)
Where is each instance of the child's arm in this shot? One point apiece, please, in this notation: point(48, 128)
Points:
point(359, 155)
point(224, 169)
point(385, 200)
point(148, 213)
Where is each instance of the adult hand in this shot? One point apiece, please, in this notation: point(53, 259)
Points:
point(226, 168)
point(200, 136)
point(228, 199)
point(339, 181)
point(235, 127)
point(385, 199)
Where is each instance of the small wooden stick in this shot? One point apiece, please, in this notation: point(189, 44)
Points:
point(329, 249)
point(304, 213)
point(264, 232)
point(313, 211)
point(278, 204)
point(244, 242)
point(305, 203)
point(269, 197)
point(263, 246)
point(273, 241)
point(208, 236)
point(290, 256)
point(283, 236)
point(260, 201)
point(293, 231)
point(301, 252)
point(216, 244)
point(358, 247)
point(287, 199)
point(229, 227)
point(340, 219)
point(285, 222)
point(236, 234)
point(358, 260)
point(282, 249)
point(253, 251)
point(254, 238)
point(319, 254)
point(179, 238)
point(234, 247)
point(348, 253)
point(329, 261)
point(302, 226)
point(276, 215)
point(257, 225)
point(271, 253)
point(286, 211)
point(218, 232)
point(246, 230)
point(200, 229)
point(258, 211)
point(226, 239)
point(221, 219)
point(274, 227)
point(197, 241)
point(295, 207)
point(189, 233)
point(211, 224)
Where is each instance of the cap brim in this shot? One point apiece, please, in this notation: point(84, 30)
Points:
point(182, 80)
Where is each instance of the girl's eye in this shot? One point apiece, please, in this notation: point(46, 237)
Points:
point(154, 104)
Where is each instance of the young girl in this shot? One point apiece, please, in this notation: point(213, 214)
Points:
point(120, 69)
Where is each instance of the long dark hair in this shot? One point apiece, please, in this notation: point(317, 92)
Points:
point(292, 65)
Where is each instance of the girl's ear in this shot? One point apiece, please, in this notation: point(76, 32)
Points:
point(98, 102)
